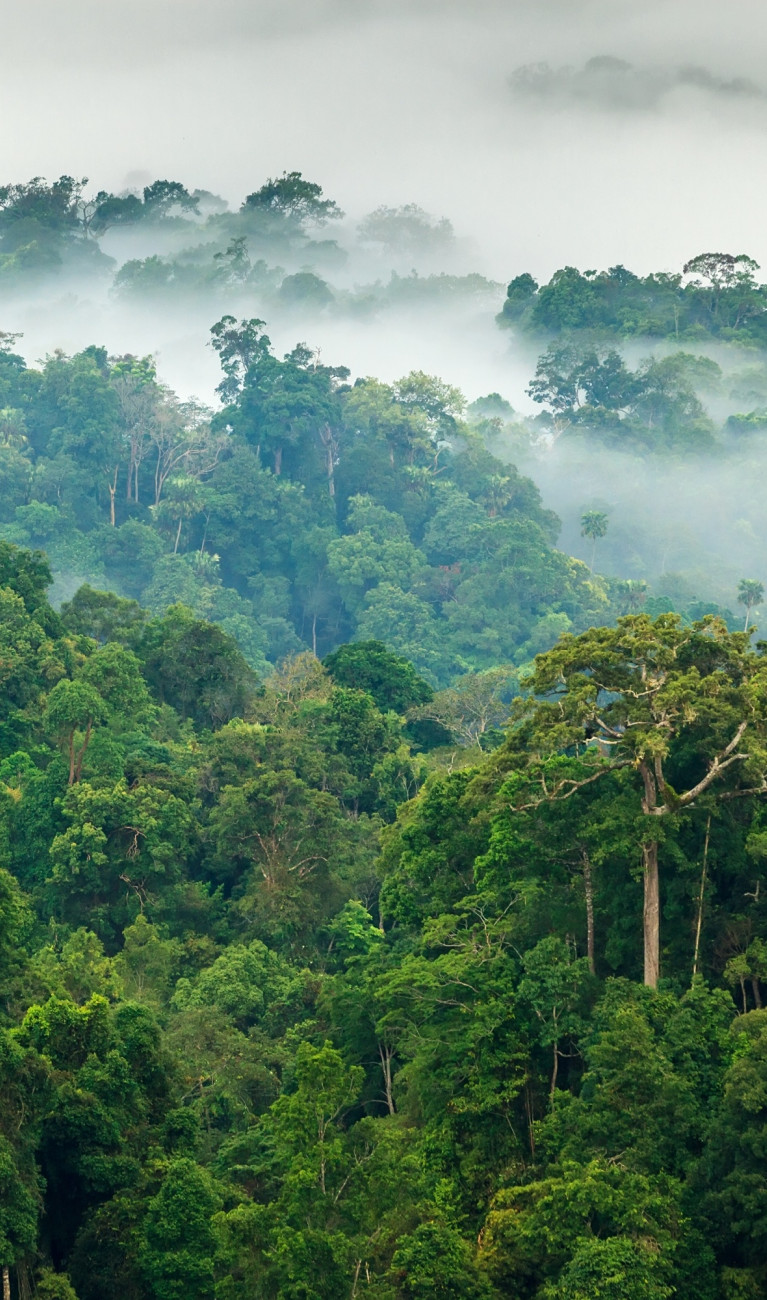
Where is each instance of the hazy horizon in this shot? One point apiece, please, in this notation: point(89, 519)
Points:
point(584, 163)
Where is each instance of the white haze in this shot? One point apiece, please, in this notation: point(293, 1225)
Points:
point(651, 154)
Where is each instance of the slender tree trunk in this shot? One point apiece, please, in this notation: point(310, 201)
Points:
point(314, 636)
point(112, 494)
point(385, 1054)
point(530, 1118)
point(757, 992)
point(699, 922)
point(651, 914)
point(329, 444)
point(588, 890)
point(81, 755)
point(593, 554)
point(178, 534)
point(554, 1070)
point(6, 1282)
point(356, 1278)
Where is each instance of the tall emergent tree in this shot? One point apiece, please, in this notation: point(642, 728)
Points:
point(676, 715)
point(750, 594)
point(594, 526)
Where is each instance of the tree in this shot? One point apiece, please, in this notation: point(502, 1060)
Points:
point(238, 348)
point(139, 397)
point(102, 615)
point(476, 704)
point(750, 594)
point(677, 712)
point(730, 283)
point(389, 678)
point(18, 1213)
point(195, 667)
point(435, 1260)
point(553, 986)
point(179, 1241)
point(593, 525)
point(54, 1286)
point(557, 383)
point(407, 229)
point(161, 197)
point(74, 706)
point(618, 1268)
point(290, 198)
point(27, 574)
point(184, 442)
point(183, 500)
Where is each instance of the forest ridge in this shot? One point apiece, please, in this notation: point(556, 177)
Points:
point(381, 887)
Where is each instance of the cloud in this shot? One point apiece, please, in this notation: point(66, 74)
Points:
point(605, 82)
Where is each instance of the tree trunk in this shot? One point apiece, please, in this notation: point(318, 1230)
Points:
point(356, 1278)
point(699, 922)
point(79, 769)
point(329, 443)
point(756, 992)
point(588, 890)
point(6, 1282)
point(651, 914)
point(385, 1054)
point(554, 1071)
point(71, 758)
point(278, 461)
point(178, 534)
point(314, 636)
point(22, 1281)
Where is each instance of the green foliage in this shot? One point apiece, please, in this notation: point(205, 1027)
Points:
point(54, 1286)
point(288, 1006)
point(388, 678)
point(176, 1256)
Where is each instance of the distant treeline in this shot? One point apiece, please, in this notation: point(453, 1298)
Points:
point(715, 295)
point(272, 246)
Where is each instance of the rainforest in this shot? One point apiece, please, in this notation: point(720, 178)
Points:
point(383, 665)
point(383, 836)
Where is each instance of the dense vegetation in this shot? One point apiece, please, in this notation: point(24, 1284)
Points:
point(381, 889)
point(296, 1008)
point(305, 512)
point(194, 247)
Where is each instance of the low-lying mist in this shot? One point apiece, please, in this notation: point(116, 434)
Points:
point(692, 528)
point(547, 133)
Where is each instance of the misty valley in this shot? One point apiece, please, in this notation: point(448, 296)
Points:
point(383, 760)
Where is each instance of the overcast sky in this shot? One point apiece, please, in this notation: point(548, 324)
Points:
point(641, 140)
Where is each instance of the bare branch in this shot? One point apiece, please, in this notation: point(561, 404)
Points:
point(555, 795)
point(719, 765)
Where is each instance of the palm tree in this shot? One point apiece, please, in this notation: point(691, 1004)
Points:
point(634, 592)
point(750, 594)
point(183, 500)
point(499, 492)
point(593, 525)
